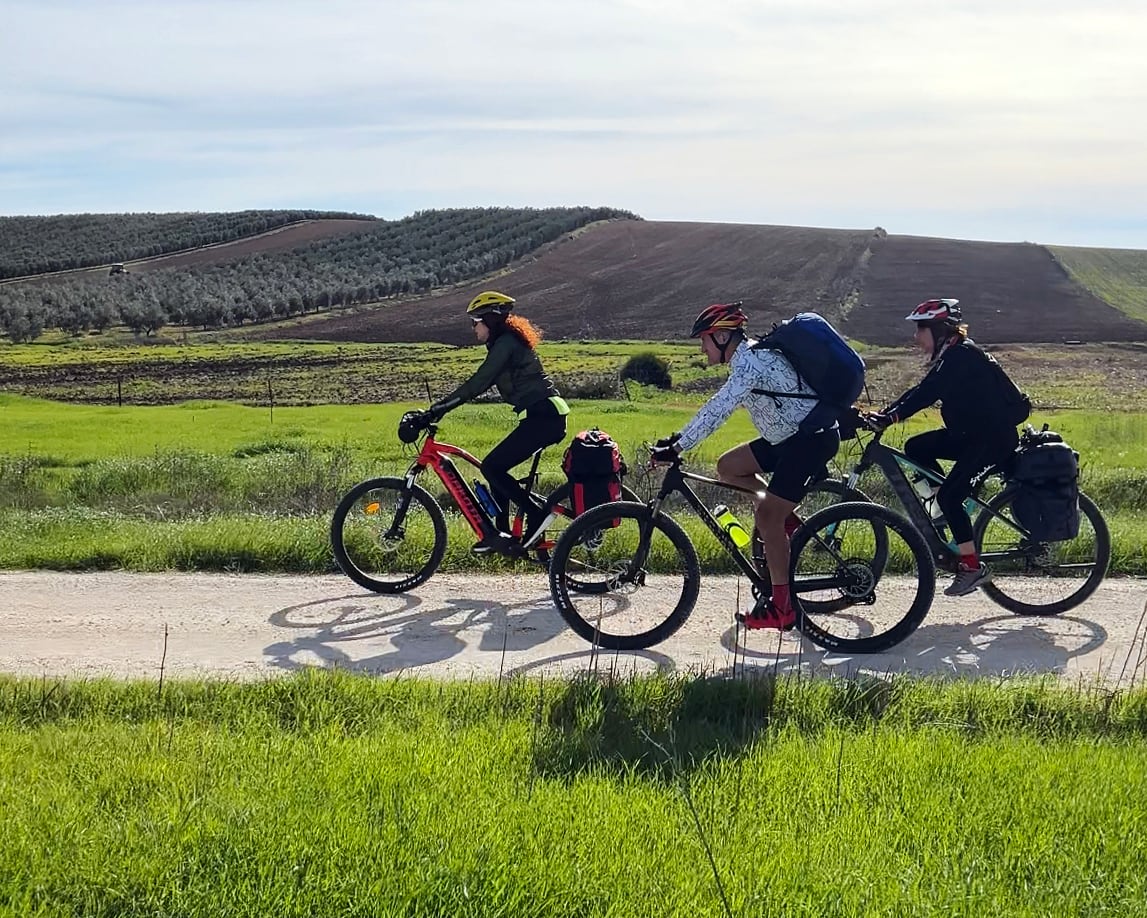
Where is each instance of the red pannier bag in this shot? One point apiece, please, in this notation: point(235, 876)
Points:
point(594, 469)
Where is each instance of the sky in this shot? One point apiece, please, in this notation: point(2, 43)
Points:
point(1002, 120)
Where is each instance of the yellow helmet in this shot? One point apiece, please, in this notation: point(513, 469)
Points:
point(490, 302)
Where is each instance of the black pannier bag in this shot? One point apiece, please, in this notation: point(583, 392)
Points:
point(594, 469)
point(1047, 503)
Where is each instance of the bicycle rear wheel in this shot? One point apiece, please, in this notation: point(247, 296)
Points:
point(862, 578)
point(622, 578)
point(1041, 578)
point(825, 493)
point(386, 537)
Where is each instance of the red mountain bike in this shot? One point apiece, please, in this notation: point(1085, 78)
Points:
point(389, 534)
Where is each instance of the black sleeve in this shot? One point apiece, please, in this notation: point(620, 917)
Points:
point(496, 358)
point(931, 389)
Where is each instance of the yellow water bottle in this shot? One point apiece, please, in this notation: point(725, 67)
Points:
point(732, 526)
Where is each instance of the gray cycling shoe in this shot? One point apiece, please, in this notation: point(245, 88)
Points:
point(968, 581)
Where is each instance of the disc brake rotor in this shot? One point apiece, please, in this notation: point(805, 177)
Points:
point(858, 579)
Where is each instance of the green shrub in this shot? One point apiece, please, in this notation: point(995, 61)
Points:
point(648, 369)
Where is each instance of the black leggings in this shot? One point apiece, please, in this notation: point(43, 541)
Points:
point(972, 457)
point(541, 427)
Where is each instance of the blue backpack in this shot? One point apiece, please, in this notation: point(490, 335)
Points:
point(833, 371)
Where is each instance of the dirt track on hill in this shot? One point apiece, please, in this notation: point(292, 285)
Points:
point(251, 627)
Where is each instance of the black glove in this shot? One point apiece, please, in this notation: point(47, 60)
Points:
point(439, 409)
point(663, 454)
point(671, 440)
point(879, 421)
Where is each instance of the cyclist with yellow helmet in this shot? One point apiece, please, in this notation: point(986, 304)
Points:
point(512, 366)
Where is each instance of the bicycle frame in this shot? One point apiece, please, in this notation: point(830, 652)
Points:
point(675, 482)
point(897, 469)
point(436, 456)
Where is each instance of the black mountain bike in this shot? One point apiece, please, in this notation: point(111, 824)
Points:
point(1029, 577)
point(862, 578)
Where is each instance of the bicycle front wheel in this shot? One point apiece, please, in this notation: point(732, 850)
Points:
point(1041, 578)
point(622, 578)
point(862, 578)
point(388, 537)
point(562, 506)
point(825, 493)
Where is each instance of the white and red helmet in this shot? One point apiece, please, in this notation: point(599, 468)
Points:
point(946, 310)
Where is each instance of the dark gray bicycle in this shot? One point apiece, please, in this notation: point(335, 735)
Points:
point(1029, 577)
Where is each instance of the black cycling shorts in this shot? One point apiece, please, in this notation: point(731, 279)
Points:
point(794, 464)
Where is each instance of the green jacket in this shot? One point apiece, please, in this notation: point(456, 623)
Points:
point(511, 366)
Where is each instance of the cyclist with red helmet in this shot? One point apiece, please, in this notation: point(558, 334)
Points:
point(793, 459)
point(980, 407)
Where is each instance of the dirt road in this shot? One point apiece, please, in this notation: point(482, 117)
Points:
point(245, 626)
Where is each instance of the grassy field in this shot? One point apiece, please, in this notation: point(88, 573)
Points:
point(218, 486)
point(327, 794)
point(1118, 276)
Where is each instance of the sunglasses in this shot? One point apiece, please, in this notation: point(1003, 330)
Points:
point(475, 321)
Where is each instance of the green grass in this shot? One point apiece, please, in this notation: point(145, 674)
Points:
point(1118, 276)
point(218, 486)
point(328, 794)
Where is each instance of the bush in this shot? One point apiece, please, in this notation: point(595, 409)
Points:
point(648, 369)
point(589, 387)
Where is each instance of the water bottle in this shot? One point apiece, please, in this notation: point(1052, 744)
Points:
point(485, 498)
point(732, 526)
point(927, 492)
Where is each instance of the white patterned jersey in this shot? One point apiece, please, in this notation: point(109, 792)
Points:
point(776, 419)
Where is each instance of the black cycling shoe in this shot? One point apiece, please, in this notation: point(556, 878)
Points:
point(494, 542)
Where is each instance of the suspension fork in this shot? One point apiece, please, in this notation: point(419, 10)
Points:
point(673, 481)
point(395, 529)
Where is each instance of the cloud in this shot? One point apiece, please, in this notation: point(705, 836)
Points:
point(1010, 118)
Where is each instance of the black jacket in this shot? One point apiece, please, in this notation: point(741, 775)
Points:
point(977, 398)
point(513, 368)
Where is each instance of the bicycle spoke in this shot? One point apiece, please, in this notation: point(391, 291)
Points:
point(1042, 578)
point(862, 577)
point(380, 544)
point(611, 597)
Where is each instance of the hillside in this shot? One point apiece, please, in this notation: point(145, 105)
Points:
point(633, 280)
point(648, 280)
point(1118, 276)
point(40, 245)
point(580, 273)
point(1010, 292)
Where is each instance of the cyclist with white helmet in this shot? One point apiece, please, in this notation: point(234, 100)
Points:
point(512, 366)
point(792, 458)
point(980, 407)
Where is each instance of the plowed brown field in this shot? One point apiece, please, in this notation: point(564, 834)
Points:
point(647, 280)
point(633, 280)
point(1010, 292)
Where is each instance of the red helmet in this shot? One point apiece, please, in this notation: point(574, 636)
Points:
point(717, 317)
point(946, 311)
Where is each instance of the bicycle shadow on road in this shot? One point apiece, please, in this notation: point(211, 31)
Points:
point(379, 634)
point(1001, 645)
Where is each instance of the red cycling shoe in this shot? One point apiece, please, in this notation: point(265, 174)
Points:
point(766, 615)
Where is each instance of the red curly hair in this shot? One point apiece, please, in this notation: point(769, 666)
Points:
point(526, 332)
